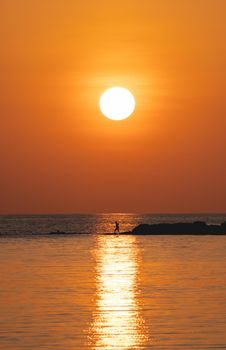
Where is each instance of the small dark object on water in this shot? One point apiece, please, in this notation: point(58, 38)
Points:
point(58, 232)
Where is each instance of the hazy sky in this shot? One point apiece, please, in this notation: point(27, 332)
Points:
point(58, 153)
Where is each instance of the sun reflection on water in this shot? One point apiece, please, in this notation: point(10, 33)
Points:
point(117, 320)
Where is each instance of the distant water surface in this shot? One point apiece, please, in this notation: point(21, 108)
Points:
point(99, 292)
point(95, 223)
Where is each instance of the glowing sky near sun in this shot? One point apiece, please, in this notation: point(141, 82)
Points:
point(60, 154)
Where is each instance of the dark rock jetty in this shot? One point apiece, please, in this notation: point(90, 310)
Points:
point(180, 228)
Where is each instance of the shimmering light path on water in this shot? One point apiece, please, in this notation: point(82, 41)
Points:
point(113, 292)
point(118, 321)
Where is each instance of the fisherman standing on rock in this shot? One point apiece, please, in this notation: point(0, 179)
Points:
point(116, 227)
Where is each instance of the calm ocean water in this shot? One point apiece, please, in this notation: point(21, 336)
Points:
point(96, 223)
point(102, 292)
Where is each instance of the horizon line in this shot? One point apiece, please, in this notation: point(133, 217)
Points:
point(114, 213)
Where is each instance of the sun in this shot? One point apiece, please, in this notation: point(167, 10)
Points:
point(117, 103)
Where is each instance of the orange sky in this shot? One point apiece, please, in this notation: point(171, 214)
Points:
point(59, 154)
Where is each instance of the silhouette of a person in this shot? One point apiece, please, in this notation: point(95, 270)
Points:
point(116, 227)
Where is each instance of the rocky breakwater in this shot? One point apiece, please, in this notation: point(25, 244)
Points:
point(180, 228)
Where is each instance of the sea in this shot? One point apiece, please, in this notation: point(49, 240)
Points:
point(110, 292)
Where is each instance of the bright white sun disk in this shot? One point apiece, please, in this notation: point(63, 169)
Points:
point(117, 103)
